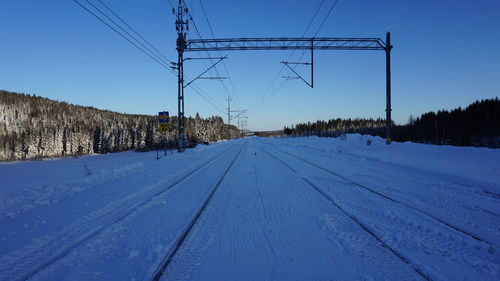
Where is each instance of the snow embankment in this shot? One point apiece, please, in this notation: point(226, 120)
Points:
point(475, 163)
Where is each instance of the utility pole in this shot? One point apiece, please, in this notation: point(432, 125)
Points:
point(229, 116)
point(388, 87)
point(242, 121)
point(181, 26)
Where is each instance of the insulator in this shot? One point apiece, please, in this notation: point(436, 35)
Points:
point(173, 11)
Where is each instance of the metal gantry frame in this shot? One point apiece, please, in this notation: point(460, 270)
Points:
point(284, 43)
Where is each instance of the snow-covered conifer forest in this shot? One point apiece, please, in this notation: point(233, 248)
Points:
point(33, 127)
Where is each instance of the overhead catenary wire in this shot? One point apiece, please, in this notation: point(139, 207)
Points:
point(171, 5)
point(128, 33)
point(269, 97)
point(223, 63)
point(133, 30)
point(206, 97)
point(211, 59)
point(326, 17)
point(146, 50)
point(262, 100)
point(319, 28)
point(124, 37)
point(303, 52)
point(197, 30)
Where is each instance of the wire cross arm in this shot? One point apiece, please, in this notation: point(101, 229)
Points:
point(211, 58)
point(302, 63)
point(199, 76)
point(213, 78)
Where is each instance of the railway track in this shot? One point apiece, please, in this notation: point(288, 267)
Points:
point(162, 267)
point(325, 153)
point(353, 218)
point(93, 225)
point(389, 198)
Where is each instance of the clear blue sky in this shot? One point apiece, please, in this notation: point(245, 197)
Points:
point(446, 54)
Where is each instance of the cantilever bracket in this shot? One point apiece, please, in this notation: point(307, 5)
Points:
point(286, 63)
point(199, 76)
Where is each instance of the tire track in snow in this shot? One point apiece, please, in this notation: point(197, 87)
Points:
point(167, 259)
point(353, 218)
point(91, 225)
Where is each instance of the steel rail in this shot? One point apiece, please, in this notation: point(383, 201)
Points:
point(167, 259)
point(353, 218)
point(126, 213)
point(369, 189)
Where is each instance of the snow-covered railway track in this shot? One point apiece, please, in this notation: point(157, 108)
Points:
point(25, 263)
point(353, 218)
point(389, 198)
point(328, 153)
point(166, 260)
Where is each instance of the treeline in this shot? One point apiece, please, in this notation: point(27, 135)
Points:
point(334, 127)
point(476, 125)
point(33, 127)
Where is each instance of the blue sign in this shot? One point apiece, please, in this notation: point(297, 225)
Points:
point(163, 117)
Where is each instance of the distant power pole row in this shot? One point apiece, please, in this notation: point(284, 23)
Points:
point(243, 124)
point(230, 117)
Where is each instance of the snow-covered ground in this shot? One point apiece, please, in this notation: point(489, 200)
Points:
point(256, 209)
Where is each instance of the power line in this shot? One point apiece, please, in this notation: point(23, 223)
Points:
point(171, 6)
point(327, 15)
point(124, 37)
point(303, 52)
point(313, 17)
point(206, 97)
point(160, 62)
point(262, 98)
point(133, 30)
point(130, 35)
point(321, 25)
point(208, 53)
point(199, 36)
point(223, 63)
point(268, 98)
point(317, 31)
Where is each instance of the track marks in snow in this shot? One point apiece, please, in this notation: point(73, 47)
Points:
point(163, 267)
point(448, 201)
point(43, 251)
point(31, 197)
point(265, 225)
point(264, 216)
point(420, 209)
point(412, 234)
point(354, 218)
